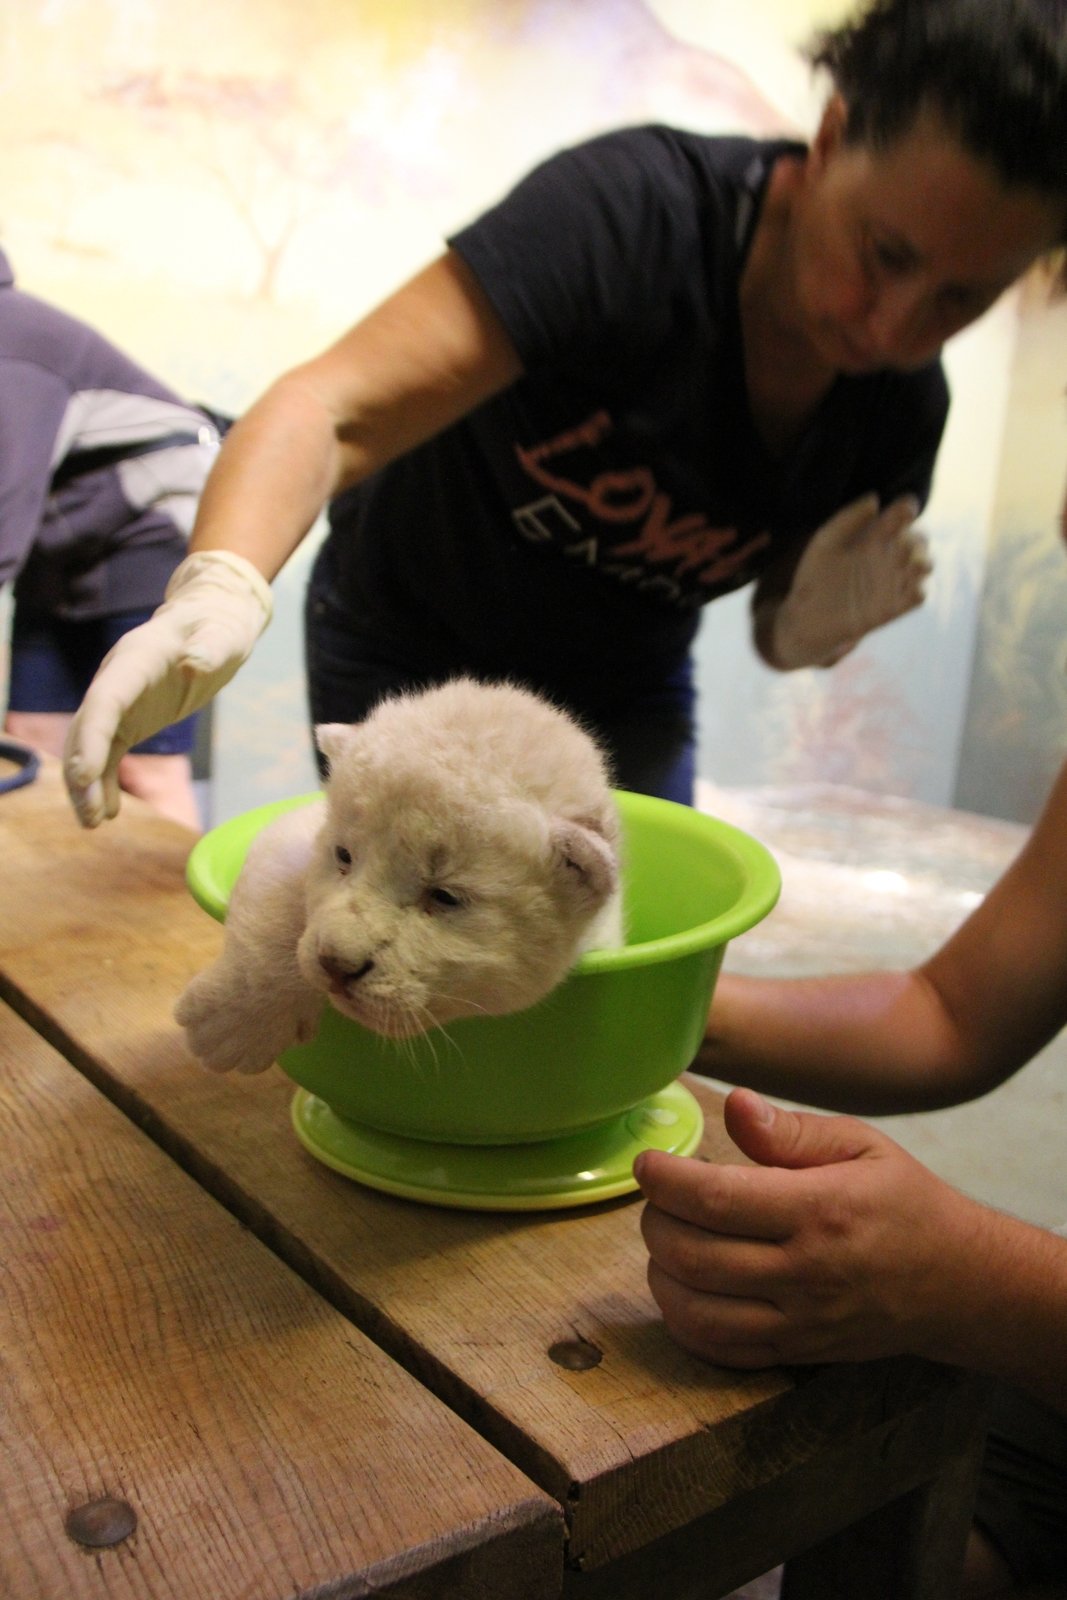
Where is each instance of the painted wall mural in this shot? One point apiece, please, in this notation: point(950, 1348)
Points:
point(223, 189)
point(1014, 734)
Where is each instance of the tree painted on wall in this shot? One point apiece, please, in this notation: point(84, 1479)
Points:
point(345, 128)
point(851, 725)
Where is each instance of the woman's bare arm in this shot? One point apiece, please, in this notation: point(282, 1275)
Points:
point(949, 1030)
point(424, 358)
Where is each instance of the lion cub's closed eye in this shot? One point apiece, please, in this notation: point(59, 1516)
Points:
point(465, 854)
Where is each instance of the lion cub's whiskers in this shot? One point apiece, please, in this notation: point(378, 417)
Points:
point(495, 798)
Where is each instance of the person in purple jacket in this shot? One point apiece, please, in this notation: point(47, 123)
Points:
point(101, 468)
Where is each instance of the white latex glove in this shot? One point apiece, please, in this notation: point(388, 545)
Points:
point(215, 608)
point(861, 569)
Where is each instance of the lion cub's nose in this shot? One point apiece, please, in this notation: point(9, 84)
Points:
point(341, 976)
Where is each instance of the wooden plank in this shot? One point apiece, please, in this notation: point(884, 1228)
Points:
point(910, 1547)
point(881, 1516)
point(635, 1446)
point(157, 1355)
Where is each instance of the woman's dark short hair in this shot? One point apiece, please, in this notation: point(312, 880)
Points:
point(995, 70)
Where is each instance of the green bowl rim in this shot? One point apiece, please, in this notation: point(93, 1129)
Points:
point(759, 871)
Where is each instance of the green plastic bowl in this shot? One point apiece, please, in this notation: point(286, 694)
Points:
point(621, 1026)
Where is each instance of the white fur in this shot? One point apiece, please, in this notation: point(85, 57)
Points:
point(478, 794)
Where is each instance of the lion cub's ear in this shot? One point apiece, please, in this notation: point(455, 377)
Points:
point(587, 859)
point(334, 738)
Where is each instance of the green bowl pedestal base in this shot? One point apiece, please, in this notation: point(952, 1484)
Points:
point(574, 1170)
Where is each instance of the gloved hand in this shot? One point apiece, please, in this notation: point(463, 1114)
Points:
point(215, 608)
point(861, 569)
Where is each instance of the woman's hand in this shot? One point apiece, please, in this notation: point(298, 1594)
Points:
point(217, 605)
point(860, 570)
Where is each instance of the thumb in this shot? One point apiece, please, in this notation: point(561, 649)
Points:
point(845, 525)
point(777, 1138)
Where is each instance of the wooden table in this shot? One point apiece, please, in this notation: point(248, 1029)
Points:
point(536, 1331)
point(181, 1416)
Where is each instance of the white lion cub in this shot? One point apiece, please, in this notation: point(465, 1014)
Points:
point(465, 854)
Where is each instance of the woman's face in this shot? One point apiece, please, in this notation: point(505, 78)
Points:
point(896, 249)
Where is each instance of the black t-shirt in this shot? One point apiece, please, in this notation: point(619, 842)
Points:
point(572, 526)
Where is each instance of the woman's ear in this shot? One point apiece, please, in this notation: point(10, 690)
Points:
point(830, 135)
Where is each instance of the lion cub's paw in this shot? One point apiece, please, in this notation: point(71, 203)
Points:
point(232, 1026)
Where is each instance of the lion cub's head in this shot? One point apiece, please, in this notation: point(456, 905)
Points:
point(469, 855)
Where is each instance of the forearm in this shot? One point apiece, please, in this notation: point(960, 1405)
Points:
point(279, 465)
point(1005, 1300)
point(426, 357)
point(871, 1044)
